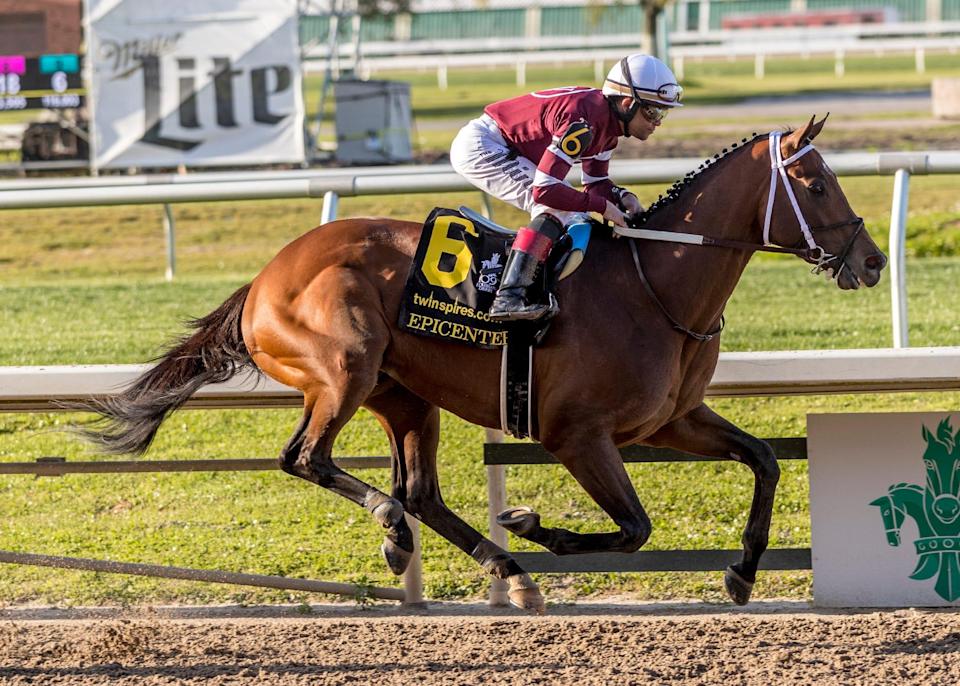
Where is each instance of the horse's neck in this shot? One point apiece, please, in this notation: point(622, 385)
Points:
point(695, 282)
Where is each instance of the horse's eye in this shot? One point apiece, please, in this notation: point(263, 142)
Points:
point(817, 187)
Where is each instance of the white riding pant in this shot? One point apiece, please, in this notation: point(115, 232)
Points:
point(480, 154)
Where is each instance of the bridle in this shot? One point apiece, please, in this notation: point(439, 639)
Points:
point(815, 254)
point(812, 253)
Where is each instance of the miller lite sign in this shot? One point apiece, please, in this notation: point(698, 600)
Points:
point(194, 82)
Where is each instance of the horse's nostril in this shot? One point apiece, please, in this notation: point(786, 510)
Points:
point(875, 262)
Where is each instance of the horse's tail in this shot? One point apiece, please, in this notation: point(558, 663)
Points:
point(212, 354)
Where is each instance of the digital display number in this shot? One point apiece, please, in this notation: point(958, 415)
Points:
point(45, 82)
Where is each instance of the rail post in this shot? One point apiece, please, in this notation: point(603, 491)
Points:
point(497, 499)
point(413, 577)
point(329, 211)
point(169, 233)
point(898, 271)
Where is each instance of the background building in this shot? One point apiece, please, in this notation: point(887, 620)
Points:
point(34, 27)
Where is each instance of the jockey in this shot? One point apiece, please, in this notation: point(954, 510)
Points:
point(521, 149)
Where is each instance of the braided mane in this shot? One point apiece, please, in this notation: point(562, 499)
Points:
point(676, 190)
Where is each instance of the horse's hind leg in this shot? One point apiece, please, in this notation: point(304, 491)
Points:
point(329, 343)
point(335, 375)
point(413, 426)
point(703, 432)
point(308, 454)
point(397, 546)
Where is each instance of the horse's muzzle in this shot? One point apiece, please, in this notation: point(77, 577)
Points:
point(862, 270)
point(871, 267)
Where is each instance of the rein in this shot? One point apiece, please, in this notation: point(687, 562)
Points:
point(697, 239)
point(703, 337)
point(813, 253)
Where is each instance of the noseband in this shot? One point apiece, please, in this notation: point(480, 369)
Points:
point(814, 253)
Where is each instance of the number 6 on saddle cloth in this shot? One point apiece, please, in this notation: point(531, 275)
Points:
point(452, 282)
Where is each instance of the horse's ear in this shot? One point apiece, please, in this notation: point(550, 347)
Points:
point(795, 139)
point(818, 127)
point(804, 134)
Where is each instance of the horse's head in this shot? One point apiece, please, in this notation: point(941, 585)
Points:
point(806, 208)
point(942, 462)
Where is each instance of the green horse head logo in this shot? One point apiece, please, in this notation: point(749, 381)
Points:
point(936, 509)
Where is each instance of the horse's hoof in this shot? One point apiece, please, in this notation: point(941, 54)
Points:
point(524, 594)
point(520, 520)
point(388, 513)
point(738, 587)
point(397, 558)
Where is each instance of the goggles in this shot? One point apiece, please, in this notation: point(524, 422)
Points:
point(653, 113)
point(668, 92)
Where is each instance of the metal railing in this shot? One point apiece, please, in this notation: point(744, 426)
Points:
point(331, 185)
point(806, 372)
point(40, 389)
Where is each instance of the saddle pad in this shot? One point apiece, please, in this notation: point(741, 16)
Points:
point(452, 282)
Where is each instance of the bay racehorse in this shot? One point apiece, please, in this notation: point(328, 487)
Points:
point(627, 361)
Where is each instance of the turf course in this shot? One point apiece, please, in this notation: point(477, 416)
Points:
point(85, 286)
point(101, 300)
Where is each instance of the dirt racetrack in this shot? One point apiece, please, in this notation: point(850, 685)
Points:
point(586, 644)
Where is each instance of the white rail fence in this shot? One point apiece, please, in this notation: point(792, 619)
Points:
point(331, 185)
point(41, 388)
point(916, 38)
point(805, 372)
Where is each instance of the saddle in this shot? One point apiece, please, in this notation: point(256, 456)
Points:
point(567, 252)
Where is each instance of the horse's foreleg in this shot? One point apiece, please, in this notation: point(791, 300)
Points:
point(595, 463)
point(704, 432)
point(414, 429)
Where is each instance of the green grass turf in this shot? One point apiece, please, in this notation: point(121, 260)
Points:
point(273, 524)
point(84, 286)
point(438, 114)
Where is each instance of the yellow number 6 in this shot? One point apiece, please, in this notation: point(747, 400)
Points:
point(442, 244)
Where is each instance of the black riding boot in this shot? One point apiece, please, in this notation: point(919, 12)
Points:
point(511, 301)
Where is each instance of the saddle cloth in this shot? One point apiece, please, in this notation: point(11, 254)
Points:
point(456, 271)
point(452, 283)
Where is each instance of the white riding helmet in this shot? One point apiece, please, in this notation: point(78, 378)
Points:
point(644, 77)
